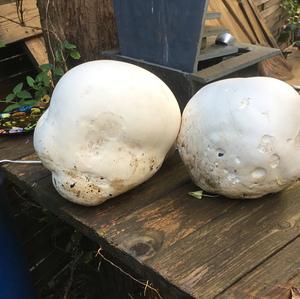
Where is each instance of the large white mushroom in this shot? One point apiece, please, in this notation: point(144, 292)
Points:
point(241, 137)
point(108, 128)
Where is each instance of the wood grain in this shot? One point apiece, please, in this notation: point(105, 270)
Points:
point(15, 147)
point(271, 14)
point(11, 32)
point(89, 24)
point(37, 50)
point(232, 245)
point(279, 274)
point(188, 248)
point(231, 65)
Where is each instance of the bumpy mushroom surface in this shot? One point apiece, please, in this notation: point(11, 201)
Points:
point(108, 128)
point(241, 137)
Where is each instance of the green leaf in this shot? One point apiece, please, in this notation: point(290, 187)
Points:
point(58, 71)
point(10, 97)
point(75, 55)
point(18, 88)
point(58, 57)
point(29, 102)
point(2, 44)
point(40, 93)
point(30, 81)
point(39, 77)
point(197, 194)
point(46, 67)
point(68, 45)
point(24, 94)
point(46, 79)
point(12, 107)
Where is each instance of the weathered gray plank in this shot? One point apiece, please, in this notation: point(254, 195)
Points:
point(212, 15)
point(226, 249)
point(29, 174)
point(213, 30)
point(272, 279)
point(183, 245)
point(161, 224)
point(15, 147)
point(219, 70)
point(214, 51)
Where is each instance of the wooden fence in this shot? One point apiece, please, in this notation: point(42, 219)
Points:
point(273, 14)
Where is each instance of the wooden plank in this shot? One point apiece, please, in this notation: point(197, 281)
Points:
point(6, 1)
point(10, 31)
point(147, 232)
point(237, 19)
point(32, 173)
point(217, 256)
point(148, 31)
point(111, 211)
point(214, 51)
point(260, 2)
point(213, 30)
point(272, 279)
point(255, 55)
point(269, 11)
point(195, 245)
point(279, 14)
point(211, 15)
point(229, 22)
point(253, 23)
point(37, 50)
point(272, 3)
point(265, 29)
point(15, 147)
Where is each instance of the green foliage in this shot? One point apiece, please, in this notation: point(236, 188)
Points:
point(291, 7)
point(2, 44)
point(43, 83)
point(292, 30)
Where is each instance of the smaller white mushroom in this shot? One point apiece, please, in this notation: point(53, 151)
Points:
point(241, 137)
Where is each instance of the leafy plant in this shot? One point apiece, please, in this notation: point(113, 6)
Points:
point(292, 29)
point(291, 7)
point(43, 83)
point(2, 44)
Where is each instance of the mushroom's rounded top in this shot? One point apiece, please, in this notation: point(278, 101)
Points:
point(107, 119)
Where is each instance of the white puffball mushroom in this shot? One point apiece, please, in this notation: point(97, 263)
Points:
point(109, 127)
point(241, 137)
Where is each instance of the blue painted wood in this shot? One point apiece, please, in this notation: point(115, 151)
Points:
point(15, 282)
point(165, 32)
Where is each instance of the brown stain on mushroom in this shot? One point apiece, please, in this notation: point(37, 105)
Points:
point(152, 163)
point(71, 185)
point(118, 185)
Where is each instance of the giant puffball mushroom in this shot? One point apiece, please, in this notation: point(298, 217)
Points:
point(109, 127)
point(241, 137)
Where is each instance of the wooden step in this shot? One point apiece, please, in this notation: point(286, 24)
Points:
point(213, 30)
point(214, 51)
point(212, 15)
point(254, 55)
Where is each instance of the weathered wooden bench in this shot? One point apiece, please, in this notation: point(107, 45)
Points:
point(185, 247)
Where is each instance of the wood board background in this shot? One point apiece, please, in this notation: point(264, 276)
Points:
point(274, 15)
